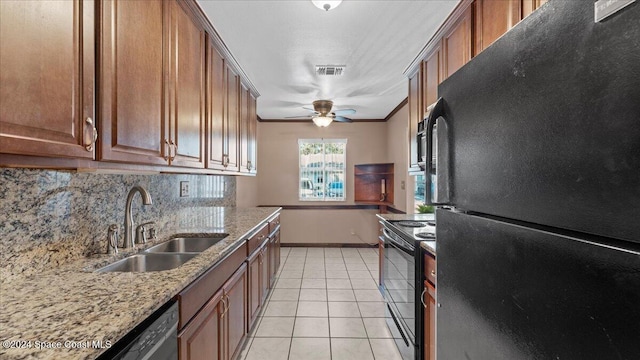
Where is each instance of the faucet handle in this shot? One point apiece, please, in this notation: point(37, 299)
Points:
point(112, 239)
point(141, 232)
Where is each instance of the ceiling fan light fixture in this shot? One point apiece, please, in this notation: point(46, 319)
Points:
point(322, 121)
point(326, 5)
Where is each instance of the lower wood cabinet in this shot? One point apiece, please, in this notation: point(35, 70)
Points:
point(217, 331)
point(265, 279)
point(429, 303)
point(274, 255)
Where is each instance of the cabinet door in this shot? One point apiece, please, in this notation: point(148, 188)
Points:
point(430, 79)
point(216, 99)
point(264, 272)
point(277, 252)
point(492, 19)
point(132, 101)
point(414, 117)
point(429, 301)
point(254, 290)
point(253, 135)
point(244, 129)
point(187, 78)
point(47, 78)
point(202, 338)
point(456, 44)
point(232, 114)
point(273, 269)
point(235, 292)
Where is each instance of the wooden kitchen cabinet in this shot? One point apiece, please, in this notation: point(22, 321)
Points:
point(429, 304)
point(274, 255)
point(151, 114)
point(415, 116)
point(492, 19)
point(47, 74)
point(248, 119)
point(429, 300)
point(235, 291)
point(456, 43)
point(232, 116)
point(258, 274)
point(187, 90)
point(219, 328)
point(431, 67)
point(253, 135)
point(133, 122)
point(203, 337)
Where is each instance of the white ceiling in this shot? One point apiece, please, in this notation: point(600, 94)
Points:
point(278, 44)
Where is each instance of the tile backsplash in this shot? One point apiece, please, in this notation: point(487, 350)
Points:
point(52, 217)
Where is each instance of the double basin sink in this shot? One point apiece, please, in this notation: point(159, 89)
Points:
point(165, 256)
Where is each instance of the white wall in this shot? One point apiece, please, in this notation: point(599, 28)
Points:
point(397, 153)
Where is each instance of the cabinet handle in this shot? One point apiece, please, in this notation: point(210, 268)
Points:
point(89, 147)
point(167, 150)
point(422, 297)
point(173, 146)
point(433, 273)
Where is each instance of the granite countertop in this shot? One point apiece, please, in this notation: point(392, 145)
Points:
point(74, 304)
point(429, 246)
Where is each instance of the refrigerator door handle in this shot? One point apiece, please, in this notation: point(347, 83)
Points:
point(437, 174)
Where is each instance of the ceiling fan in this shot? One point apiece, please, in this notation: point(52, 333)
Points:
point(323, 116)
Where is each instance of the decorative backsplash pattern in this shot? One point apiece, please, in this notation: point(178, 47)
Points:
point(52, 217)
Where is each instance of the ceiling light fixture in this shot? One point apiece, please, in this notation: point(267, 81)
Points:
point(326, 5)
point(322, 121)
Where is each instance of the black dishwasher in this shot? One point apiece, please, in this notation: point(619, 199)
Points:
point(155, 338)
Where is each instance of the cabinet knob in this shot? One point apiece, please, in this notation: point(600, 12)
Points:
point(94, 134)
point(433, 273)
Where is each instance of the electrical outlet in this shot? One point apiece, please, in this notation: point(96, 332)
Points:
point(184, 189)
point(402, 185)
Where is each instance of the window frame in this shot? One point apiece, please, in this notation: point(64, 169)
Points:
point(342, 173)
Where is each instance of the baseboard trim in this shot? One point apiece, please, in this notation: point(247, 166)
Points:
point(332, 245)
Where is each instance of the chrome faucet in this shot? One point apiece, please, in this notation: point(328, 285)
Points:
point(128, 217)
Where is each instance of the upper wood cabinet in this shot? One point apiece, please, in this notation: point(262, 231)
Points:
point(187, 89)
point(492, 19)
point(430, 78)
point(244, 130)
point(232, 115)
point(47, 78)
point(133, 106)
point(456, 43)
point(152, 113)
point(415, 106)
point(253, 135)
point(216, 95)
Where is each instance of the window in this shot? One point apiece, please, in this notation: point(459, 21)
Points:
point(322, 169)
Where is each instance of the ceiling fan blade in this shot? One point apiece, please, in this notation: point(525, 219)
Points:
point(309, 107)
point(342, 119)
point(300, 117)
point(344, 111)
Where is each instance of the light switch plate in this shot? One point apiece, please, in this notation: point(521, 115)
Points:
point(184, 189)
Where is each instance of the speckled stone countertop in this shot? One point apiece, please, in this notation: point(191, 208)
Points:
point(73, 303)
point(429, 246)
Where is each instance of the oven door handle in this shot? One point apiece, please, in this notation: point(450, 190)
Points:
point(391, 239)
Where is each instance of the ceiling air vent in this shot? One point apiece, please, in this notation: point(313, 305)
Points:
point(330, 70)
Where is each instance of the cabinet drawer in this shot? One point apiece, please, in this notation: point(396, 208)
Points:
point(274, 223)
point(430, 269)
point(198, 293)
point(258, 238)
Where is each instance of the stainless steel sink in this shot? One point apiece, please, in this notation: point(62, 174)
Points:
point(187, 244)
point(148, 262)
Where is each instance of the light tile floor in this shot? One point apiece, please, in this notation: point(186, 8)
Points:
point(325, 306)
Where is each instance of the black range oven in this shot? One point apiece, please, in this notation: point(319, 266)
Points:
point(401, 281)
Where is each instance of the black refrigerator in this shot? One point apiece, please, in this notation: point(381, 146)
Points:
point(534, 161)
